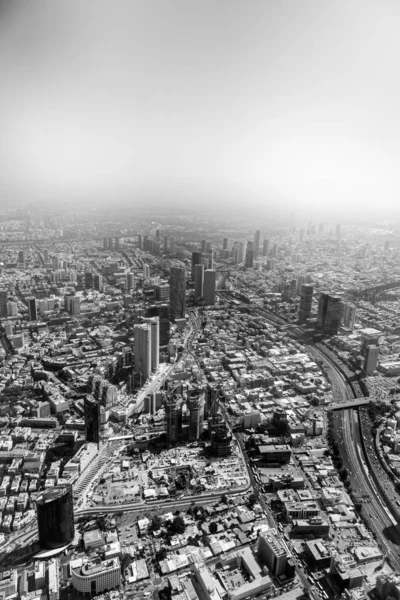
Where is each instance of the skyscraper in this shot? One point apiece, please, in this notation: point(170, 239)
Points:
point(173, 416)
point(154, 323)
point(177, 301)
point(249, 256)
point(32, 312)
point(146, 271)
point(306, 298)
point(98, 283)
point(225, 243)
point(198, 281)
point(3, 303)
point(55, 515)
point(92, 420)
point(130, 281)
point(256, 245)
point(266, 244)
point(195, 402)
point(142, 350)
point(329, 313)
point(196, 260)
point(88, 280)
point(209, 287)
point(75, 305)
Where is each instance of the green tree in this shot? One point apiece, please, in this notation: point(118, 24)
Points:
point(213, 527)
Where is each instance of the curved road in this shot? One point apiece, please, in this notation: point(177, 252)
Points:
point(348, 435)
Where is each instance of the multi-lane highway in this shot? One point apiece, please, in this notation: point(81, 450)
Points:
point(348, 436)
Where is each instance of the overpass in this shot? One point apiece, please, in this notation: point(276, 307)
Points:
point(369, 292)
point(351, 404)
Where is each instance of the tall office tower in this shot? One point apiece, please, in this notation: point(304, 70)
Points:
point(75, 305)
point(338, 231)
point(21, 257)
point(300, 281)
point(165, 244)
point(140, 241)
point(173, 417)
point(130, 281)
point(274, 251)
point(32, 312)
point(209, 287)
point(158, 234)
point(249, 256)
point(177, 301)
point(349, 315)
point(203, 245)
point(172, 245)
point(108, 394)
point(156, 248)
point(92, 420)
point(146, 271)
point(88, 280)
point(56, 263)
point(55, 515)
point(225, 244)
point(371, 359)
point(196, 260)
point(110, 243)
point(273, 552)
point(105, 243)
point(12, 309)
point(220, 435)
point(98, 283)
point(256, 244)
point(72, 275)
point(117, 243)
point(142, 350)
point(161, 311)
point(306, 298)
point(266, 244)
point(211, 398)
point(211, 260)
point(329, 313)
point(46, 256)
point(198, 281)
point(146, 243)
point(154, 323)
point(195, 403)
point(242, 252)
point(320, 228)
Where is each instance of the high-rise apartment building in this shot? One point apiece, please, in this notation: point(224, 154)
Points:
point(273, 552)
point(98, 283)
point(198, 281)
point(306, 298)
point(142, 350)
point(256, 244)
point(177, 302)
point(75, 306)
point(89, 280)
point(32, 312)
point(349, 314)
point(209, 287)
point(146, 271)
point(55, 515)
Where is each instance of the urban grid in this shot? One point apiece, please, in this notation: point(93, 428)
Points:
point(197, 409)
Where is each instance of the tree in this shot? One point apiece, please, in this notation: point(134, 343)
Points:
point(156, 523)
point(125, 561)
point(224, 499)
point(178, 524)
point(213, 527)
point(252, 500)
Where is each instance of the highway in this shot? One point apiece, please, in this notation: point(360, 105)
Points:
point(348, 436)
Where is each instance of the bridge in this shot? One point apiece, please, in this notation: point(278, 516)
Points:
point(351, 404)
point(369, 292)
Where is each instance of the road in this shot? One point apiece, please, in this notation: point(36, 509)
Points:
point(348, 435)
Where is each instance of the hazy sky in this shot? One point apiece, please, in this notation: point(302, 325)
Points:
point(244, 100)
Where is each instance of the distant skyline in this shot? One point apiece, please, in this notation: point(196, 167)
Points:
point(289, 104)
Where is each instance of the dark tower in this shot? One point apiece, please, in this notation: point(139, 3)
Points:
point(55, 515)
point(92, 420)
